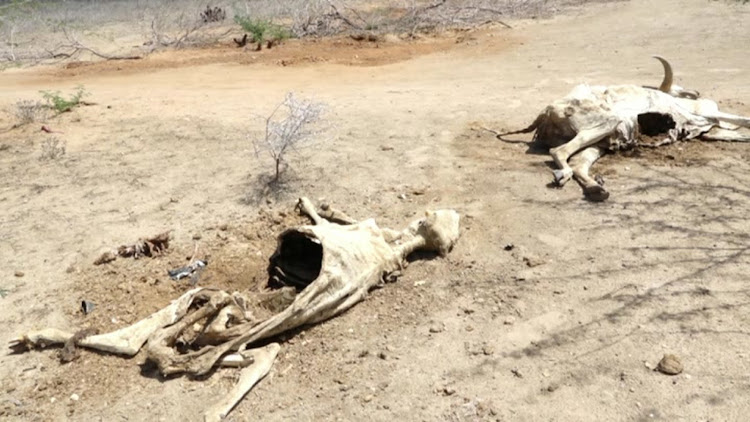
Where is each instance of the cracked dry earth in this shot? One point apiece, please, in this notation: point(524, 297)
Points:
point(567, 325)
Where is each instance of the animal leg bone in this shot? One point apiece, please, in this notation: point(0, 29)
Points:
point(263, 360)
point(160, 343)
point(581, 164)
point(718, 134)
point(734, 119)
point(125, 341)
point(584, 138)
point(307, 208)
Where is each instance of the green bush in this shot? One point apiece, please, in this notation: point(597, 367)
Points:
point(262, 29)
point(60, 104)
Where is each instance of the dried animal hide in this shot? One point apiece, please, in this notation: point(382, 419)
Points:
point(332, 265)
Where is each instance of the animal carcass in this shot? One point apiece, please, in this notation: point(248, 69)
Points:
point(592, 120)
point(332, 265)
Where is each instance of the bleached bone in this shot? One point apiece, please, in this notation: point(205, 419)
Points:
point(263, 359)
point(592, 120)
point(125, 341)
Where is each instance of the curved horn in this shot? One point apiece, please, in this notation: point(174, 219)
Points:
point(666, 84)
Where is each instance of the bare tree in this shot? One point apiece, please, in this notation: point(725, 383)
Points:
point(294, 123)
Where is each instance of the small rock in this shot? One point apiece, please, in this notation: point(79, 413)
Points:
point(488, 350)
point(367, 398)
point(509, 320)
point(74, 397)
point(106, 257)
point(509, 247)
point(197, 236)
point(632, 390)
point(670, 365)
point(552, 387)
point(382, 355)
point(469, 328)
point(419, 283)
point(19, 274)
point(436, 329)
point(449, 391)
point(52, 400)
point(532, 261)
point(401, 196)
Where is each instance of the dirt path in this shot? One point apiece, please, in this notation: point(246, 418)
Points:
point(563, 327)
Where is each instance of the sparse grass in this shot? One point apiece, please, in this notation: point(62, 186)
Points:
point(60, 104)
point(29, 111)
point(52, 149)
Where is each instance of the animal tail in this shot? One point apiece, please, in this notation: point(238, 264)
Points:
point(532, 127)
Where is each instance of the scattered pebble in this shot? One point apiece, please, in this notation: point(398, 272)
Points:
point(436, 329)
point(106, 257)
point(509, 320)
point(19, 274)
point(670, 365)
point(488, 350)
point(74, 397)
point(532, 261)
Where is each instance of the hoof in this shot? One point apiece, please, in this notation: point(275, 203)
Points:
point(595, 193)
point(560, 177)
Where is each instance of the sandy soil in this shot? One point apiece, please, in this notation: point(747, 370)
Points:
point(565, 326)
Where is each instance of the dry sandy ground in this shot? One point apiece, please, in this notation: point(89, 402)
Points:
point(565, 326)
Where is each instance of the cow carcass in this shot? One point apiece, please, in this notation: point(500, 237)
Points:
point(332, 265)
point(593, 120)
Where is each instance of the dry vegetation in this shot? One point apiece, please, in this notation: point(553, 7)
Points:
point(34, 31)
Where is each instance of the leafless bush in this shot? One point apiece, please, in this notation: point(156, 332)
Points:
point(52, 149)
point(215, 14)
point(29, 111)
point(179, 23)
point(293, 124)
